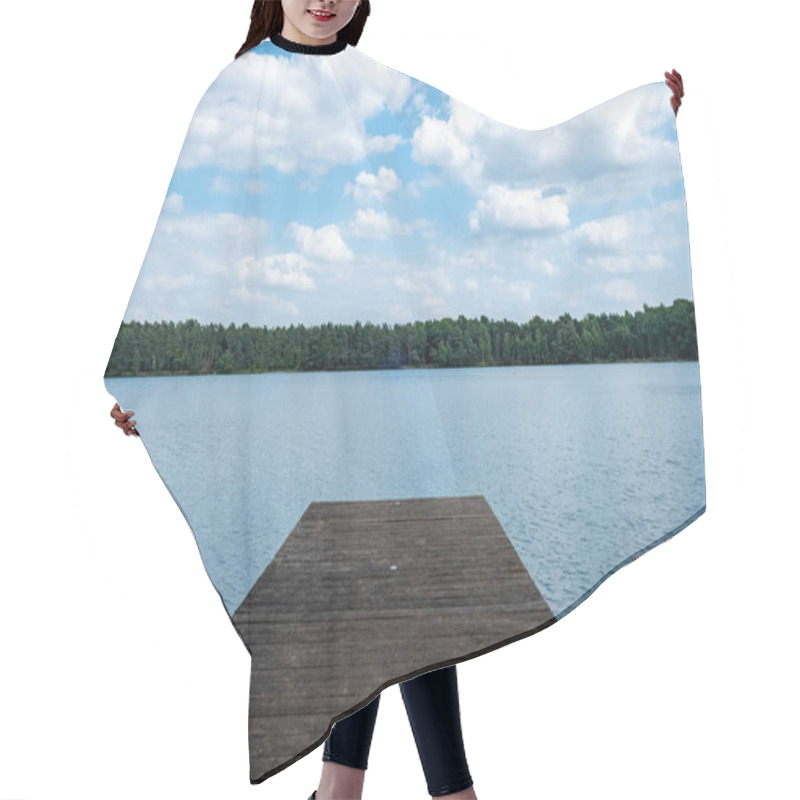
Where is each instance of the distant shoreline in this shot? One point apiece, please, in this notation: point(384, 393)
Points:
point(142, 374)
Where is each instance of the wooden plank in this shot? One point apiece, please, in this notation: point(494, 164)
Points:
point(363, 595)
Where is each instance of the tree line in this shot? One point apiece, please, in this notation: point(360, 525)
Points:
point(656, 333)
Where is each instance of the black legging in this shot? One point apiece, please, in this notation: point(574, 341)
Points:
point(432, 705)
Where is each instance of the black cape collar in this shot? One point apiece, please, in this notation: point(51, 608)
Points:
point(311, 49)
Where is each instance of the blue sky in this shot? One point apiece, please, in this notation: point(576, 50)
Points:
point(332, 188)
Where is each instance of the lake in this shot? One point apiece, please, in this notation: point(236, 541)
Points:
point(583, 464)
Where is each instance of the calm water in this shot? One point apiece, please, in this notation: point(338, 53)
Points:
point(583, 465)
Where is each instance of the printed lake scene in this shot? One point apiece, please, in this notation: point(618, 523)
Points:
point(436, 374)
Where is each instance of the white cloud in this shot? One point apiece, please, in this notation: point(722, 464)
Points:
point(264, 301)
point(325, 243)
point(278, 269)
point(432, 288)
point(609, 152)
point(369, 223)
point(637, 241)
point(548, 267)
point(472, 259)
point(382, 144)
point(200, 244)
point(369, 85)
point(292, 97)
point(173, 204)
point(369, 186)
point(606, 234)
point(420, 104)
point(518, 209)
point(437, 142)
point(627, 262)
point(166, 283)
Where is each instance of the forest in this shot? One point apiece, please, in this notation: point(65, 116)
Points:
point(655, 333)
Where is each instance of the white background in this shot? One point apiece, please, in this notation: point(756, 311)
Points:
point(120, 673)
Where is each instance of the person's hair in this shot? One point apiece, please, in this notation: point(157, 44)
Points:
point(266, 18)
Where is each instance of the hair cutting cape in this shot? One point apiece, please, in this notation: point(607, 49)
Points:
point(419, 381)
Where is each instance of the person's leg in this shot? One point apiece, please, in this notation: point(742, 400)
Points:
point(346, 753)
point(433, 710)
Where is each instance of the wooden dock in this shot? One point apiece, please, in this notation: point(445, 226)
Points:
point(363, 595)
